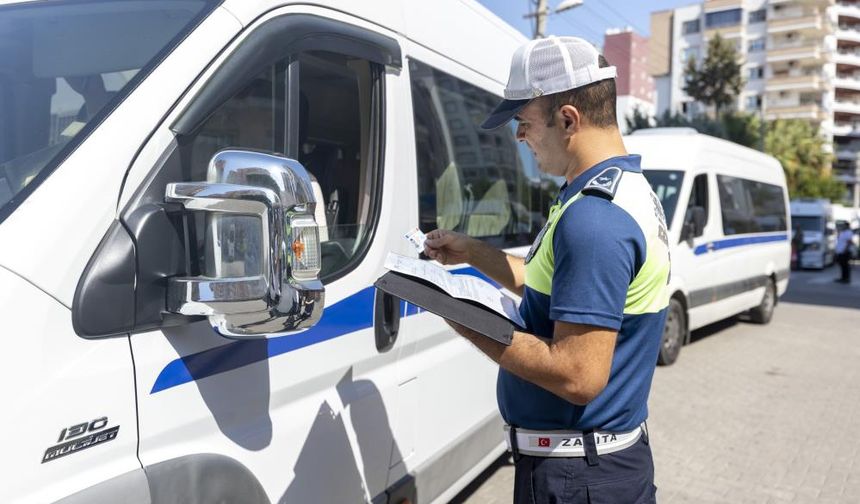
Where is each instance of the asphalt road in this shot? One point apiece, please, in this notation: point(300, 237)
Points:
point(754, 414)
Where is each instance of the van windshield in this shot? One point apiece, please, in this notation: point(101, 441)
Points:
point(64, 66)
point(807, 223)
point(666, 184)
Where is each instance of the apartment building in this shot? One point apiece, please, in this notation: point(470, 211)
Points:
point(800, 60)
point(628, 51)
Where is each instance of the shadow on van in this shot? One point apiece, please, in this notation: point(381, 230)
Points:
point(238, 400)
point(327, 467)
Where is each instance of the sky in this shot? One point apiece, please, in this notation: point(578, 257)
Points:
point(590, 20)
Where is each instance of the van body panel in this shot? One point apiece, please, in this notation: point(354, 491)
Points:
point(69, 403)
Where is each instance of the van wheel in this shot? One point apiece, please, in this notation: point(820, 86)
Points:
point(673, 333)
point(762, 313)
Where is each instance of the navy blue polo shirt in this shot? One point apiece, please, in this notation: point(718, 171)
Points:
point(602, 260)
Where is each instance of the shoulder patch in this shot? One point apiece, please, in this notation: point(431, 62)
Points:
point(605, 183)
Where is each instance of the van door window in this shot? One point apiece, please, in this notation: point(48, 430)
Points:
point(749, 206)
point(481, 183)
point(336, 97)
point(63, 67)
point(699, 197)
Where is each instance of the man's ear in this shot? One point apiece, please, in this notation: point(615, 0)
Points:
point(571, 120)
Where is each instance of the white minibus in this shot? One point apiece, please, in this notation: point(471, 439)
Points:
point(196, 198)
point(727, 210)
point(814, 219)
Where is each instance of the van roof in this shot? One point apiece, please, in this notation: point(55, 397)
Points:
point(462, 30)
point(686, 149)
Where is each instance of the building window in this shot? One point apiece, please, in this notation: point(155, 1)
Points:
point(757, 16)
point(690, 27)
point(756, 45)
point(753, 102)
point(689, 53)
point(755, 73)
point(723, 18)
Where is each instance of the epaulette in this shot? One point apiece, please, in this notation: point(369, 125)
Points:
point(605, 183)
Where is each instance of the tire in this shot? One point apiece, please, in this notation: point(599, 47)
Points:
point(674, 333)
point(762, 313)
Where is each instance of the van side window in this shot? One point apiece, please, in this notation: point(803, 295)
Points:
point(751, 207)
point(699, 196)
point(481, 183)
point(336, 97)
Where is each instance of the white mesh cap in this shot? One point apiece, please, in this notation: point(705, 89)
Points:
point(546, 66)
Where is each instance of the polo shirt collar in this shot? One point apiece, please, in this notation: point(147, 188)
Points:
point(630, 162)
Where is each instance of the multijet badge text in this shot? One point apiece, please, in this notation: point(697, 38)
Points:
point(80, 437)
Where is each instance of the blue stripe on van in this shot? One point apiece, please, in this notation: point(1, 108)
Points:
point(738, 242)
point(351, 314)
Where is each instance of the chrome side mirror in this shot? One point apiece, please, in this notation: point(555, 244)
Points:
point(261, 258)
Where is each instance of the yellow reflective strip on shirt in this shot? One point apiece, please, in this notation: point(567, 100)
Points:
point(540, 269)
point(648, 292)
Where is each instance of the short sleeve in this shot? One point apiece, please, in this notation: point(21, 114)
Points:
point(598, 249)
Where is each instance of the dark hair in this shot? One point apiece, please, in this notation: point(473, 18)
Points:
point(595, 101)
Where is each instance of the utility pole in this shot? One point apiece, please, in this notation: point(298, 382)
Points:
point(542, 11)
point(539, 15)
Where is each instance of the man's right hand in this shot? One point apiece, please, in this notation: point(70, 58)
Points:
point(448, 247)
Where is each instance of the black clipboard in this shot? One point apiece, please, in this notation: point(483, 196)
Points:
point(435, 300)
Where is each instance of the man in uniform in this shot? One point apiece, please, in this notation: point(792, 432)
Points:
point(573, 387)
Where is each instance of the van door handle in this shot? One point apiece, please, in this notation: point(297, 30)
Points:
point(710, 246)
point(386, 320)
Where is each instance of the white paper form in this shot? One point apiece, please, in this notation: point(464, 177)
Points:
point(458, 286)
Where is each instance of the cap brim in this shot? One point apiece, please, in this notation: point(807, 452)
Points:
point(503, 113)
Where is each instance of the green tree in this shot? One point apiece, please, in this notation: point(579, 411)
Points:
point(798, 146)
point(717, 81)
point(741, 128)
point(638, 120)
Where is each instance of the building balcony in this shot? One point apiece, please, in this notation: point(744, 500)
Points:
point(811, 111)
point(821, 3)
point(846, 129)
point(807, 51)
point(848, 153)
point(849, 34)
point(847, 10)
point(796, 83)
point(802, 23)
point(718, 5)
point(851, 83)
point(726, 32)
point(847, 57)
point(846, 107)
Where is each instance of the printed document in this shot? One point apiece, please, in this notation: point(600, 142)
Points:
point(458, 286)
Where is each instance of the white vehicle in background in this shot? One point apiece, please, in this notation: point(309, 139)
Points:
point(850, 217)
point(166, 168)
point(814, 218)
point(727, 211)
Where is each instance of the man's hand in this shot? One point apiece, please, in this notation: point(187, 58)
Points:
point(448, 247)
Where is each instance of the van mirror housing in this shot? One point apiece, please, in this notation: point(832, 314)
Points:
point(260, 262)
point(694, 224)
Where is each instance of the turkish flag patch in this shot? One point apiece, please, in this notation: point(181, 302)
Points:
point(543, 442)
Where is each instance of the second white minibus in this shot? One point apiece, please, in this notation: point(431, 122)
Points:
point(727, 210)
